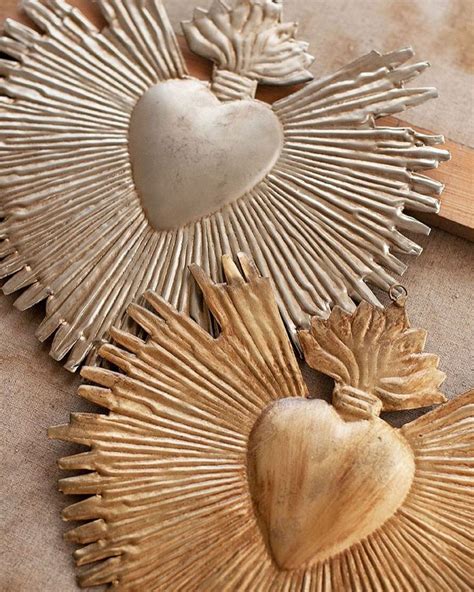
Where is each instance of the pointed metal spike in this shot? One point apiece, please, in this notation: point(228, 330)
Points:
point(87, 533)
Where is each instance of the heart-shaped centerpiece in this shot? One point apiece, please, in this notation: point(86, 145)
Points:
point(321, 483)
point(191, 154)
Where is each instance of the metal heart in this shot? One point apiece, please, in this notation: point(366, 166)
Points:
point(320, 483)
point(191, 154)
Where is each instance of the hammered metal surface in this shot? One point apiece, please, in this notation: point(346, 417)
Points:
point(324, 221)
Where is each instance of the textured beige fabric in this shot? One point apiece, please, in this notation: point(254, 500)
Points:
point(36, 392)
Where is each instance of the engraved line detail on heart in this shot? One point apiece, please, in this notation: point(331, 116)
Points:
point(212, 469)
point(118, 170)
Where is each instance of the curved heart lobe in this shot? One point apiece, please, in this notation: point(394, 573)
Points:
point(191, 154)
point(320, 483)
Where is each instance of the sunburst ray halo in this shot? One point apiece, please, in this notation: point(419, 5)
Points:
point(170, 501)
point(320, 223)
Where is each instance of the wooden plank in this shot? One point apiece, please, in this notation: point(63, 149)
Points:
point(457, 202)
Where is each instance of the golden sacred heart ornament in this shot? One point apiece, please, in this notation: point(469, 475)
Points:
point(322, 483)
point(213, 470)
point(118, 169)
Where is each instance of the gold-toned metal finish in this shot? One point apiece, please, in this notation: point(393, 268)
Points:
point(109, 188)
point(212, 470)
point(376, 351)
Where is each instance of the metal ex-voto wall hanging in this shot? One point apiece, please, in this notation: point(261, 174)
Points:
point(118, 169)
point(213, 471)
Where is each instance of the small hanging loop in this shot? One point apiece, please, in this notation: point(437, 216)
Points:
point(398, 293)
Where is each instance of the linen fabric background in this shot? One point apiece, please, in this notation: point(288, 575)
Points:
point(37, 392)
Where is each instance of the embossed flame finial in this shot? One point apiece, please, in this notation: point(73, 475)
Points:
point(376, 359)
point(250, 39)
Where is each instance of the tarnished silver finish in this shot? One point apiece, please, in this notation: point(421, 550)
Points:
point(118, 170)
point(248, 37)
point(185, 167)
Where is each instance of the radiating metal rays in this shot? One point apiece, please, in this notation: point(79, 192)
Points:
point(324, 223)
point(211, 469)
